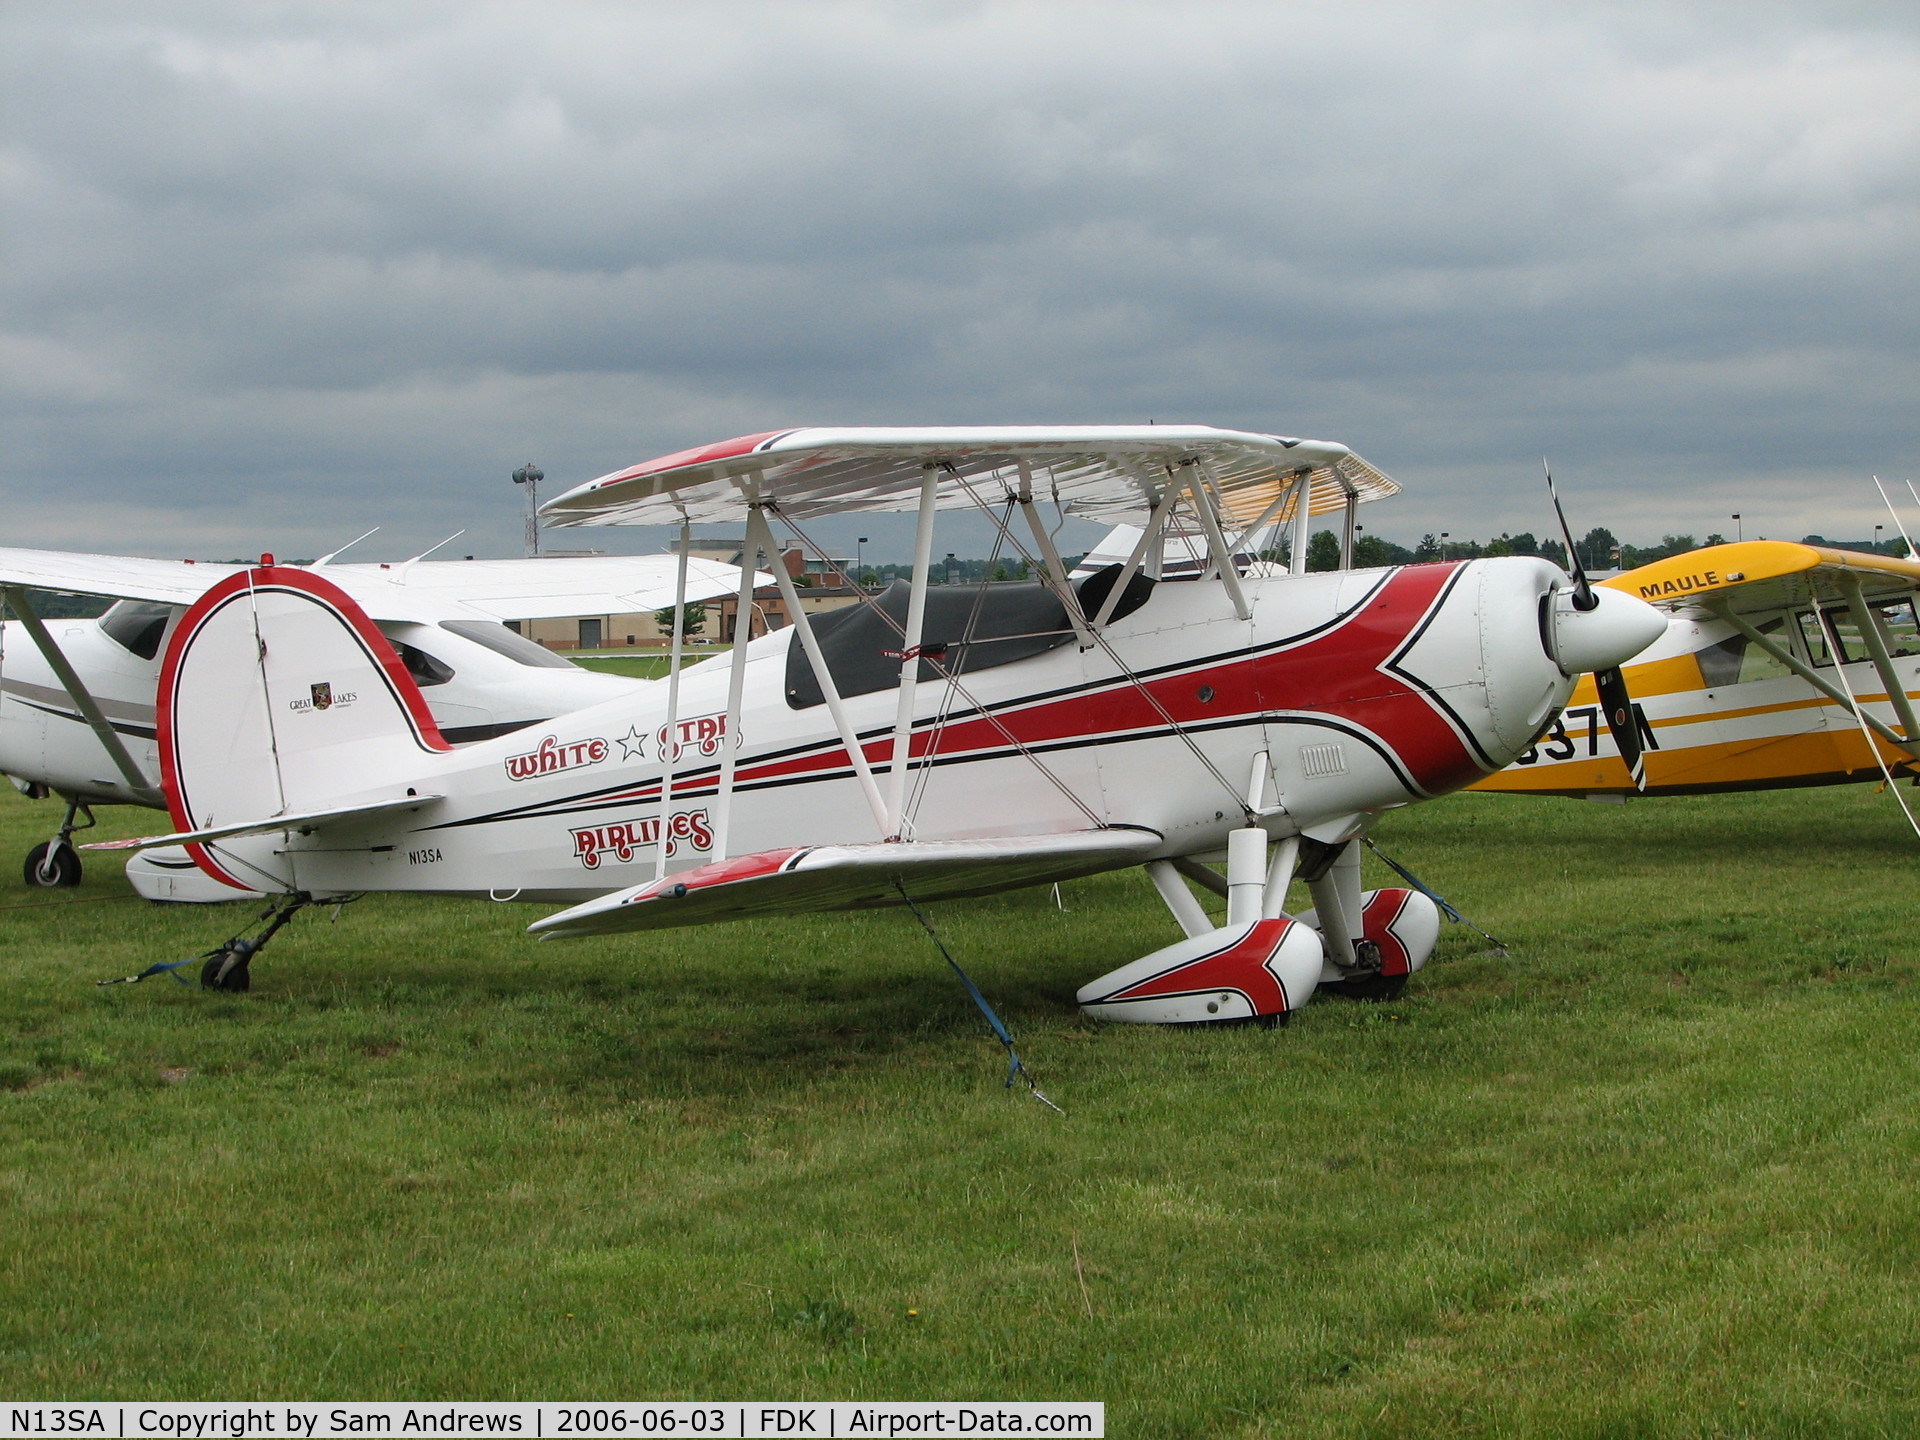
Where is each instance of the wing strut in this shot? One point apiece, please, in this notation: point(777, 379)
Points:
point(1053, 568)
point(736, 690)
point(757, 530)
point(910, 652)
point(670, 749)
point(1301, 534)
point(1203, 503)
point(1149, 537)
point(1814, 678)
point(136, 778)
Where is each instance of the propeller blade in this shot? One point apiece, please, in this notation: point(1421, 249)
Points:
point(1582, 591)
point(1617, 705)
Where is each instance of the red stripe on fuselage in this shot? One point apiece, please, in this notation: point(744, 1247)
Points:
point(1338, 672)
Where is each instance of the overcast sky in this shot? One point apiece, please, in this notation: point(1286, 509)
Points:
point(274, 273)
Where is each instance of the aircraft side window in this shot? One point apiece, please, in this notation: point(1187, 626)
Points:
point(1840, 621)
point(1736, 661)
point(1755, 663)
point(502, 641)
point(137, 626)
point(424, 668)
point(1897, 619)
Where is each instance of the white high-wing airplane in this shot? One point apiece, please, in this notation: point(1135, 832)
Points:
point(89, 737)
point(932, 742)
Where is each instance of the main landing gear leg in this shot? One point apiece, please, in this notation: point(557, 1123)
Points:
point(55, 864)
point(226, 967)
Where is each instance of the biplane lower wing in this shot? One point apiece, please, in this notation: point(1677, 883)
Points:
point(851, 877)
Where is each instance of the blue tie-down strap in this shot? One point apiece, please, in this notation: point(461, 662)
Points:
point(1015, 1069)
point(161, 969)
point(1417, 883)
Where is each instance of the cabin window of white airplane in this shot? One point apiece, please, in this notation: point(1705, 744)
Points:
point(1735, 661)
point(137, 626)
point(424, 668)
point(502, 641)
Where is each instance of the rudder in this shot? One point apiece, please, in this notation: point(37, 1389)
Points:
point(278, 695)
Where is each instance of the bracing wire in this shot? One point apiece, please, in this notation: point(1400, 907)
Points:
point(982, 710)
point(1173, 726)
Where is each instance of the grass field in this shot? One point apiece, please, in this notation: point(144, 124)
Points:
point(650, 665)
point(1654, 1172)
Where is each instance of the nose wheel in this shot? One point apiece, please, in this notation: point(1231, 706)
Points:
point(54, 864)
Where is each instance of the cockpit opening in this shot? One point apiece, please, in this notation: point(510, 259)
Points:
point(968, 628)
point(137, 626)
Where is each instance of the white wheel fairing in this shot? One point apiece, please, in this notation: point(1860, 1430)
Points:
point(1264, 967)
point(1404, 923)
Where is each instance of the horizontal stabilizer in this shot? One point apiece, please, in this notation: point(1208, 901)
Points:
point(851, 877)
point(305, 821)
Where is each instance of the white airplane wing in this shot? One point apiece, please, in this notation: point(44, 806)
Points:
point(119, 577)
point(404, 590)
point(532, 589)
point(851, 877)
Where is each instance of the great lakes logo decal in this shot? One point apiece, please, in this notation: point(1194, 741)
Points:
point(624, 839)
point(550, 757)
point(322, 696)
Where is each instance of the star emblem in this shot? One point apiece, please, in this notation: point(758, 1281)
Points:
point(632, 744)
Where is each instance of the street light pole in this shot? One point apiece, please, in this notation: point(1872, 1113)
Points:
point(1739, 530)
point(530, 475)
point(860, 561)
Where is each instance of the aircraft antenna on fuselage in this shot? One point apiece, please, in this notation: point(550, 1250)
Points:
point(328, 557)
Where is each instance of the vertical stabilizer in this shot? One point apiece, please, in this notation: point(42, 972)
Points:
point(278, 695)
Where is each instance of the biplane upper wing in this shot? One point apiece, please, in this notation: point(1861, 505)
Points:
point(1089, 470)
point(1753, 576)
point(851, 877)
point(405, 590)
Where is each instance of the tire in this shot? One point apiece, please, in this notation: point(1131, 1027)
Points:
point(63, 873)
point(1377, 988)
point(236, 979)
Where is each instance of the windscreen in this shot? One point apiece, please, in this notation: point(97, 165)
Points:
point(137, 626)
point(502, 641)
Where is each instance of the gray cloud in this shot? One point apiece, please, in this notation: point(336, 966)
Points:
point(277, 272)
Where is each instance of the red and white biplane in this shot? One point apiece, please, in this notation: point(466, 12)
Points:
point(932, 741)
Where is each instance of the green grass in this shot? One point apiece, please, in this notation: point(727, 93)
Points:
point(651, 665)
point(1653, 1173)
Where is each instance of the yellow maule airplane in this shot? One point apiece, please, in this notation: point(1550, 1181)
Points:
point(1743, 692)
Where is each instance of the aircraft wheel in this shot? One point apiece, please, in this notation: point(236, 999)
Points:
point(1366, 987)
point(227, 970)
point(59, 870)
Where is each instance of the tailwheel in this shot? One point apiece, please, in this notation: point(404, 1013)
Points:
point(52, 865)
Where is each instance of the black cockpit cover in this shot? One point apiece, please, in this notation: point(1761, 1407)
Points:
point(968, 627)
point(976, 626)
